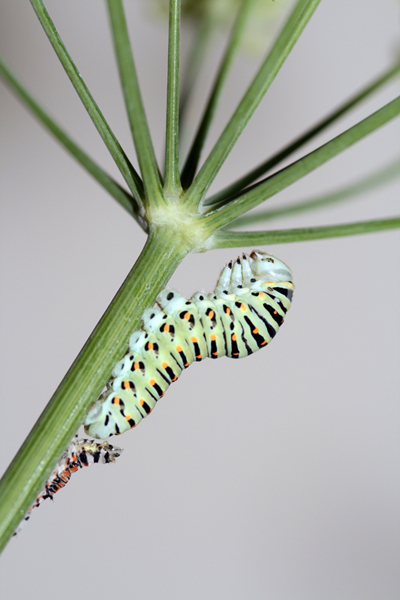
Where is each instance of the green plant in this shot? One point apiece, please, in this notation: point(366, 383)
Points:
point(175, 212)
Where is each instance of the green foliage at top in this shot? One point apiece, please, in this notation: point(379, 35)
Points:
point(172, 206)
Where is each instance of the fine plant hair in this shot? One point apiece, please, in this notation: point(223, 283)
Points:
point(172, 204)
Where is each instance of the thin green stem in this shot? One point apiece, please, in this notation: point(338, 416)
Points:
point(131, 177)
point(363, 186)
point(298, 19)
point(123, 198)
point(134, 105)
point(270, 186)
point(194, 61)
point(274, 160)
point(231, 239)
point(172, 184)
point(193, 158)
point(85, 379)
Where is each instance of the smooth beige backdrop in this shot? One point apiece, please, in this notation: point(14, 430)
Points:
point(275, 477)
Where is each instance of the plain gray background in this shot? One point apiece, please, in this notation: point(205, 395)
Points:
point(272, 477)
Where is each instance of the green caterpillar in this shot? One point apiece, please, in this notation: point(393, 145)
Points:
point(241, 316)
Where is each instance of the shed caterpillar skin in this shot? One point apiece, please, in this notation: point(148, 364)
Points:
point(79, 454)
point(241, 316)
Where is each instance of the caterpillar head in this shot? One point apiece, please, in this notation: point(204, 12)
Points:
point(268, 268)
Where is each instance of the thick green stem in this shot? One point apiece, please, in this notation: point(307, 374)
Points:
point(232, 239)
point(86, 378)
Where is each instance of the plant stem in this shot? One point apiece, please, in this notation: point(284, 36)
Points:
point(363, 186)
point(193, 158)
point(172, 184)
point(134, 105)
point(231, 239)
point(85, 379)
point(275, 183)
point(131, 177)
point(194, 62)
point(270, 163)
point(123, 198)
point(298, 19)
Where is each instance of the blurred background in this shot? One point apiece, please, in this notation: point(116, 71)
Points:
point(272, 477)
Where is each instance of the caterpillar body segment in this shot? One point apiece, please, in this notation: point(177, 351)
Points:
point(241, 316)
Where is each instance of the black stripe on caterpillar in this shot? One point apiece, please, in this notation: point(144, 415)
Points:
point(242, 315)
